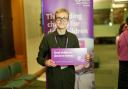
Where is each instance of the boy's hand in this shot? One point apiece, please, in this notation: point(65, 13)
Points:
point(88, 57)
point(50, 63)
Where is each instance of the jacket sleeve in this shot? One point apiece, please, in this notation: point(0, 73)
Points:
point(43, 51)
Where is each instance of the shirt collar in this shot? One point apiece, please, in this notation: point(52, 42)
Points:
point(56, 33)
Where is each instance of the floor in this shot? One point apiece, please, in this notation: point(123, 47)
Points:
point(107, 74)
point(36, 85)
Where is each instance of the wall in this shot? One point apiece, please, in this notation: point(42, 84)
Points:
point(32, 12)
point(18, 29)
point(32, 9)
point(102, 4)
point(105, 30)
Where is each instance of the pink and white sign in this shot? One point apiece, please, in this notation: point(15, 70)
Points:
point(68, 56)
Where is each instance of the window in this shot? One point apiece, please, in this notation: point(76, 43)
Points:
point(101, 16)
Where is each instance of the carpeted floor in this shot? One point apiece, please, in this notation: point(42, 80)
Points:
point(107, 74)
point(36, 85)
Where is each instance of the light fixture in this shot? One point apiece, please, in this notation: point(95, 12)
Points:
point(110, 24)
point(118, 5)
point(120, 1)
point(111, 10)
point(125, 9)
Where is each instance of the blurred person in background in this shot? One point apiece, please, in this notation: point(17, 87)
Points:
point(122, 52)
point(121, 29)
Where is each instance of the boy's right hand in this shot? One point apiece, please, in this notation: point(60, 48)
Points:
point(50, 63)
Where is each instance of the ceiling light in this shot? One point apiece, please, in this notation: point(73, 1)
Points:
point(111, 10)
point(125, 9)
point(110, 24)
point(120, 1)
point(118, 5)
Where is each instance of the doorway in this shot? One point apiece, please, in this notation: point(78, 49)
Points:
point(6, 33)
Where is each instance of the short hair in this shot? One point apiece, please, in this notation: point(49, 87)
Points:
point(60, 11)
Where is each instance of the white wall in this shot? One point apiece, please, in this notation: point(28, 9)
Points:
point(32, 11)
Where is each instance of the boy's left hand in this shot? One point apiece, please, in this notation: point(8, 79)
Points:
point(88, 57)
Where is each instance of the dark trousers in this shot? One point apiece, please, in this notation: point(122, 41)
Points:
point(58, 78)
point(123, 75)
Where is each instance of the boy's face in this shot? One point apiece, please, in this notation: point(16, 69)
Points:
point(61, 20)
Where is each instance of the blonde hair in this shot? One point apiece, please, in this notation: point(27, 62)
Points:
point(60, 11)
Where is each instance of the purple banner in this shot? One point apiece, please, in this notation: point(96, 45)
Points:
point(68, 56)
point(80, 15)
point(81, 18)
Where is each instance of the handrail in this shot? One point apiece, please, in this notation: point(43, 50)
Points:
point(40, 72)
